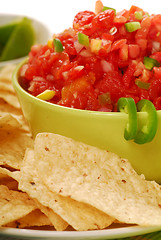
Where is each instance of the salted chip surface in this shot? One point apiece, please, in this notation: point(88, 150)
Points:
point(13, 141)
point(4, 86)
point(14, 175)
point(6, 180)
point(99, 178)
point(13, 145)
point(10, 121)
point(34, 218)
point(10, 99)
point(6, 73)
point(79, 215)
point(7, 108)
point(55, 219)
point(14, 205)
point(7, 121)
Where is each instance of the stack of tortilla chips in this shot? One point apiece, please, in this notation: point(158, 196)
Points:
point(57, 183)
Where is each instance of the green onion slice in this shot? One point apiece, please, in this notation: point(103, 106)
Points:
point(128, 106)
point(150, 63)
point(106, 8)
point(147, 131)
point(138, 15)
point(141, 84)
point(83, 39)
point(58, 45)
point(132, 26)
point(46, 95)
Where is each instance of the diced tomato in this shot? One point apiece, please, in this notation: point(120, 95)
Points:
point(157, 103)
point(129, 74)
point(124, 13)
point(98, 6)
point(142, 43)
point(118, 44)
point(156, 56)
point(107, 36)
point(119, 20)
point(83, 18)
point(112, 63)
point(155, 89)
point(134, 9)
point(157, 72)
point(143, 32)
point(104, 19)
point(134, 51)
point(123, 52)
point(112, 83)
point(155, 29)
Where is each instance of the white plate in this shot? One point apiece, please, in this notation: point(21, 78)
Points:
point(73, 235)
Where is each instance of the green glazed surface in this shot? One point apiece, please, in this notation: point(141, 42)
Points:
point(102, 129)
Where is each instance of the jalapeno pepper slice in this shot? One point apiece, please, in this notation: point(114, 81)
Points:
point(58, 45)
point(128, 106)
point(150, 63)
point(83, 39)
point(147, 132)
point(132, 26)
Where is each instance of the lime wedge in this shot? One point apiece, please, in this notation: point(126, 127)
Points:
point(1, 48)
point(6, 30)
point(20, 41)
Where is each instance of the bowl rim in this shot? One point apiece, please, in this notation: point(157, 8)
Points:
point(18, 87)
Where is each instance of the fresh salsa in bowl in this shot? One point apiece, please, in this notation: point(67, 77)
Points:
point(81, 83)
point(104, 56)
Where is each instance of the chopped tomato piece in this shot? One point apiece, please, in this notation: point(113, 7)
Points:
point(134, 51)
point(105, 53)
point(83, 18)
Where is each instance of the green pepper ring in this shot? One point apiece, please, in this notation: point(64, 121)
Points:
point(128, 105)
point(148, 131)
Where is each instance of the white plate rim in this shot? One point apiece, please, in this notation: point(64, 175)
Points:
point(94, 234)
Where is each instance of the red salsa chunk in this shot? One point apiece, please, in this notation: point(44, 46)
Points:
point(104, 56)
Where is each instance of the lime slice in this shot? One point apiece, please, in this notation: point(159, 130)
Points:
point(20, 41)
point(1, 48)
point(6, 30)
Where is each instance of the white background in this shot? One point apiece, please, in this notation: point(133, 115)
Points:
point(58, 14)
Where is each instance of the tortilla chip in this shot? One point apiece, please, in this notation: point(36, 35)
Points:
point(4, 86)
point(13, 141)
point(34, 218)
point(9, 182)
point(99, 178)
point(7, 121)
point(9, 178)
point(79, 215)
point(13, 145)
point(14, 205)
point(7, 108)
point(58, 223)
point(14, 175)
point(10, 99)
point(6, 73)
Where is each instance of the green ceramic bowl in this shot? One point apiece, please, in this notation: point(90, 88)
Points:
point(102, 129)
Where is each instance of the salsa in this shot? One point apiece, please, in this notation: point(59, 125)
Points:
point(106, 55)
